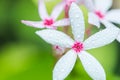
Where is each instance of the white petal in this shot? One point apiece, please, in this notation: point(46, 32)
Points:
point(108, 24)
point(79, 1)
point(113, 16)
point(101, 38)
point(57, 10)
point(64, 66)
point(89, 4)
point(63, 22)
point(103, 5)
point(93, 19)
point(42, 10)
point(118, 37)
point(55, 37)
point(92, 66)
point(36, 24)
point(77, 22)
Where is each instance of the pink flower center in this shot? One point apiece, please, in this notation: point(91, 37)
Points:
point(48, 22)
point(77, 47)
point(69, 2)
point(99, 14)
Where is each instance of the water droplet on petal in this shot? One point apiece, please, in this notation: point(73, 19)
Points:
point(77, 16)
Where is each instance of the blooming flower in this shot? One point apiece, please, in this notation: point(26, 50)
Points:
point(48, 21)
point(101, 13)
point(78, 47)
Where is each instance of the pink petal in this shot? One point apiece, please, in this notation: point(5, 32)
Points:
point(63, 22)
point(57, 10)
point(36, 24)
point(42, 10)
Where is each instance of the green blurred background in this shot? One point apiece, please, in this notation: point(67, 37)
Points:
point(25, 56)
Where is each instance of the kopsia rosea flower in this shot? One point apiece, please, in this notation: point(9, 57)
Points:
point(78, 47)
point(48, 21)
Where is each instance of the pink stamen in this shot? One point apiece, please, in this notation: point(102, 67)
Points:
point(48, 22)
point(99, 14)
point(78, 47)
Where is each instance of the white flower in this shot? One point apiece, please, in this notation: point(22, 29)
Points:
point(48, 21)
point(101, 13)
point(78, 47)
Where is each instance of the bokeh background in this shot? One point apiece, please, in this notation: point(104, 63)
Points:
point(25, 56)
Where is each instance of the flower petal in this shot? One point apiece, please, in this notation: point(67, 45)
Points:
point(36, 24)
point(93, 19)
point(57, 10)
point(101, 38)
point(77, 22)
point(63, 22)
point(55, 37)
point(108, 24)
point(64, 66)
point(103, 5)
point(118, 37)
point(89, 4)
point(92, 66)
point(113, 16)
point(42, 10)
